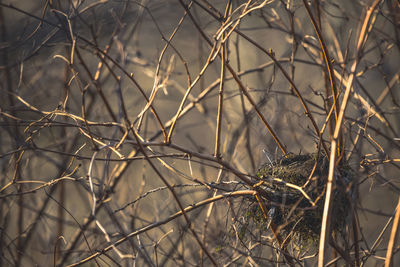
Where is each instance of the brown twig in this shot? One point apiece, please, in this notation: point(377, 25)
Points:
point(162, 222)
point(393, 237)
point(325, 228)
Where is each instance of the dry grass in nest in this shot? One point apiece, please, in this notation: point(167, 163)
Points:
point(294, 189)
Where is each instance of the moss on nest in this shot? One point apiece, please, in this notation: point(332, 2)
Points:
point(295, 188)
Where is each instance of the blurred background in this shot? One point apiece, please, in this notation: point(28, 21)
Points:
point(87, 163)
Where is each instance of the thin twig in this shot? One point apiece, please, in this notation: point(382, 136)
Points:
point(325, 227)
point(393, 237)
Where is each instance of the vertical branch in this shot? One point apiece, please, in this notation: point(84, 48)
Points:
point(355, 238)
point(61, 185)
point(217, 152)
point(325, 225)
point(393, 237)
point(223, 54)
point(21, 216)
point(329, 187)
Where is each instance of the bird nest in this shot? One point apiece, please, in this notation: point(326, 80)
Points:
point(293, 191)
